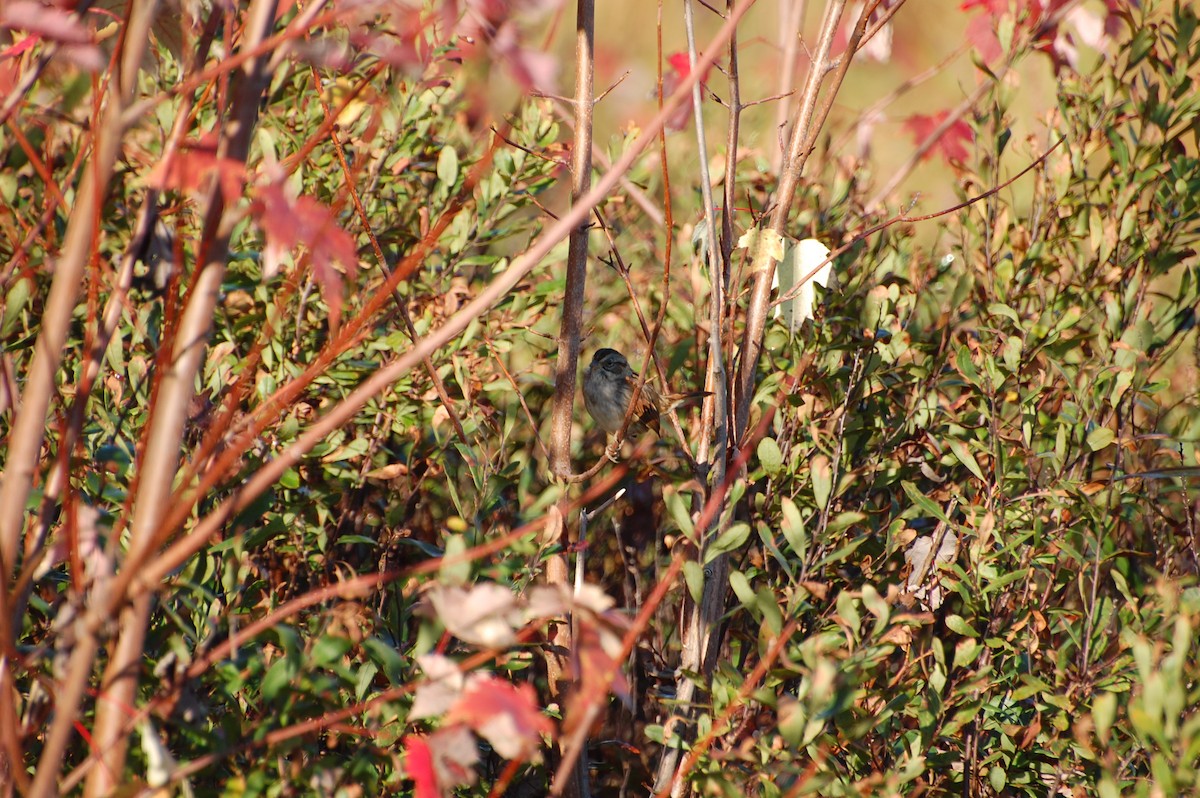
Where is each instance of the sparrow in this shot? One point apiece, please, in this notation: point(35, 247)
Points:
point(608, 384)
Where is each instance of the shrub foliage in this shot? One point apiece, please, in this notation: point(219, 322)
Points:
point(960, 521)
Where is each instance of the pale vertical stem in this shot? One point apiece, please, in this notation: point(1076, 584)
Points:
point(557, 665)
point(698, 621)
point(158, 468)
point(715, 416)
point(577, 248)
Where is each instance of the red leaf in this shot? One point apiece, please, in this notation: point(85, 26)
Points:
point(189, 169)
point(596, 673)
point(418, 761)
point(681, 68)
point(47, 21)
point(951, 144)
point(305, 221)
point(981, 33)
point(505, 714)
point(25, 44)
point(440, 762)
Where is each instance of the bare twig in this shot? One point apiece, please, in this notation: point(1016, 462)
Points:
point(560, 635)
point(572, 308)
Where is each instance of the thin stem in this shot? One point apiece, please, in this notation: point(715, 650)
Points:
point(577, 247)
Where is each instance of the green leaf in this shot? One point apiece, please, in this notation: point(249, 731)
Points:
point(997, 777)
point(14, 303)
point(792, 527)
point(769, 607)
point(849, 611)
point(966, 366)
point(964, 456)
point(693, 576)
point(679, 513)
point(875, 603)
point(387, 658)
point(822, 479)
point(455, 569)
point(741, 588)
point(955, 623)
point(770, 456)
point(965, 652)
point(329, 649)
point(730, 540)
point(364, 679)
point(1104, 711)
point(447, 166)
point(277, 677)
point(792, 720)
point(1100, 438)
point(927, 505)
point(768, 540)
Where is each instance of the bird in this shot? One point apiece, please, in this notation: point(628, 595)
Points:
point(608, 384)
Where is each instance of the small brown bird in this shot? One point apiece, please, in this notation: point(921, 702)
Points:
point(608, 384)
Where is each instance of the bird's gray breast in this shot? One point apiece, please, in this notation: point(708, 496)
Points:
point(606, 399)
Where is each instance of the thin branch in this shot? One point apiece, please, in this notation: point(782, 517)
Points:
point(765, 100)
point(609, 90)
point(577, 248)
